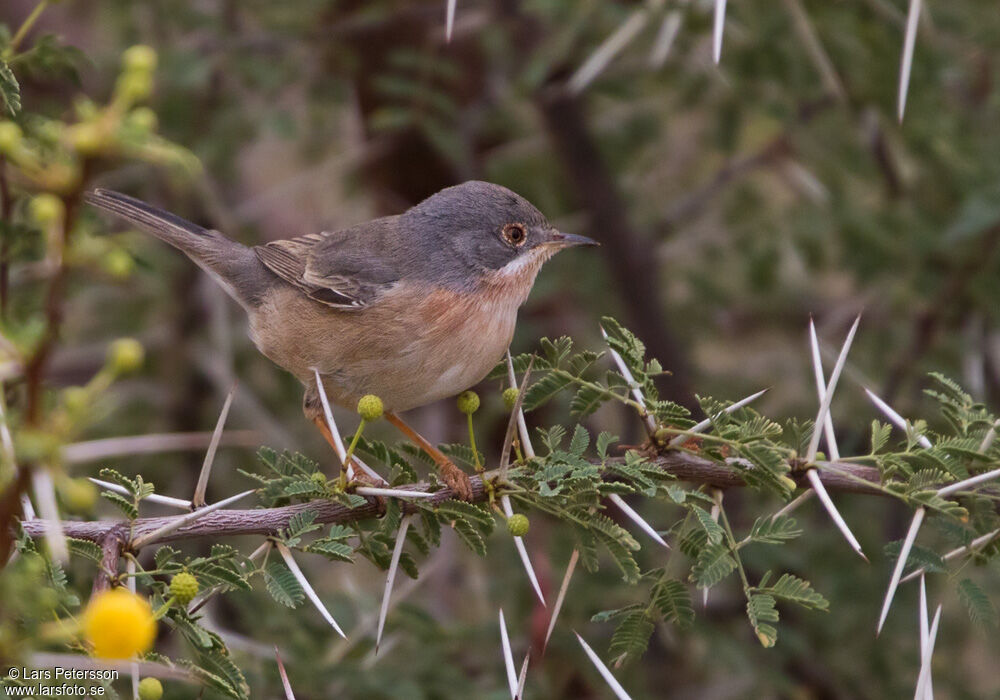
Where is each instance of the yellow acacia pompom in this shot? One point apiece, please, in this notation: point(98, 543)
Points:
point(510, 397)
point(118, 624)
point(468, 402)
point(139, 58)
point(10, 137)
point(46, 209)
point(150, 689)
point(125, 355)
point(370, 407)
point(518, 525)
point(184, 587)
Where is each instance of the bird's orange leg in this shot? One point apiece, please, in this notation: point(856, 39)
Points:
point(457, 480)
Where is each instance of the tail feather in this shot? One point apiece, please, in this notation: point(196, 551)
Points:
point(231, 264)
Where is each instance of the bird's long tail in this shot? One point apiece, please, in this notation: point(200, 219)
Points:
point(231, 264)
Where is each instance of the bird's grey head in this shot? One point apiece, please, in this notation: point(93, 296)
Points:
point(478, 228)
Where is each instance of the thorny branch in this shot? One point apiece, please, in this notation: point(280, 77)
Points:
point(846, 477)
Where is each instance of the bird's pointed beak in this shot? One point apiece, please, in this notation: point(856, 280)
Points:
point(568, 240)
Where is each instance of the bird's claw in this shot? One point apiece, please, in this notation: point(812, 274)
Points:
point(457, 480)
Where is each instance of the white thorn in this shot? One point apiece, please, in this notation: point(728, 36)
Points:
point(978, 542)
point(606, 52)
point(924, 689)
point(562, 595)
point(831, 440)
point(180, 521)
point(665, 39)
point(45, 494)
point(508, 658)
point(178, 503)
point(307, 587)
point(718, 25)
point(904, 553)
point(922, 617)
point(817, 485)
point(637, 519)
point(966, 483)
point(130, 583)
point(522, 551)
point(828, 394)
point(522, 426)
point(895, 418)
point(679, 440)
point(636, 392)
point(206, 468)
point(449, 23)
point(397, 551)
point(289, 695)
point(392, 493)
point(612, 682)
point(912, 19)
point(522, 677)
point(338, 443)
point(714, 513)
point(795, 503)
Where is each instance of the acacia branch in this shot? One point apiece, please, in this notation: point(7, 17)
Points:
point(850, 478)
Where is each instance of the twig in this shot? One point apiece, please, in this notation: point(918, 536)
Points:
point(848, 477)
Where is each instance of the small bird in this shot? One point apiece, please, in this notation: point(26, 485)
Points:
point(412, 308)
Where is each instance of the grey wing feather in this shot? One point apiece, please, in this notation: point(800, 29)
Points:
point(346, 269)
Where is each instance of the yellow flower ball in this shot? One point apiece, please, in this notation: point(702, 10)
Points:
point(143, 119)
point(118, 624)
point(139, 58)
point(510, 397)
point(126, 355)
point(370, 407)
point(46, 209)
point(150, 689)
point(10, 137)
point(468, 402)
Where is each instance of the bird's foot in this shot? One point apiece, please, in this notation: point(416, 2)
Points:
point(455, 479)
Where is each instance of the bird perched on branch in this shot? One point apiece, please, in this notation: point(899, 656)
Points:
point(413, 308)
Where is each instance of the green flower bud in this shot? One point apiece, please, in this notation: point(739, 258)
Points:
point(86, 138)
point(139, 58)
point(319, 478)
point(134, 85)
point(142, 118)
point(125, 355)
point(118, 263)
point(517, 525)
point(79, 495)
point(370, 407)
point(150, 689)
point(76, 399)
point(468, 402)
point(10, 137)
point(184, 587)
point(32, 445)
point(510, 395)
point(46, 209)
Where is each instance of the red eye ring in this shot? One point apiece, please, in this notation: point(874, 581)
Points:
point(514, 234)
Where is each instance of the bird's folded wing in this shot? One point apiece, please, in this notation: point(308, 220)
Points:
point(345, 269)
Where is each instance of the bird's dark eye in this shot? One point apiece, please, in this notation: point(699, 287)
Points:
point(514, 234)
